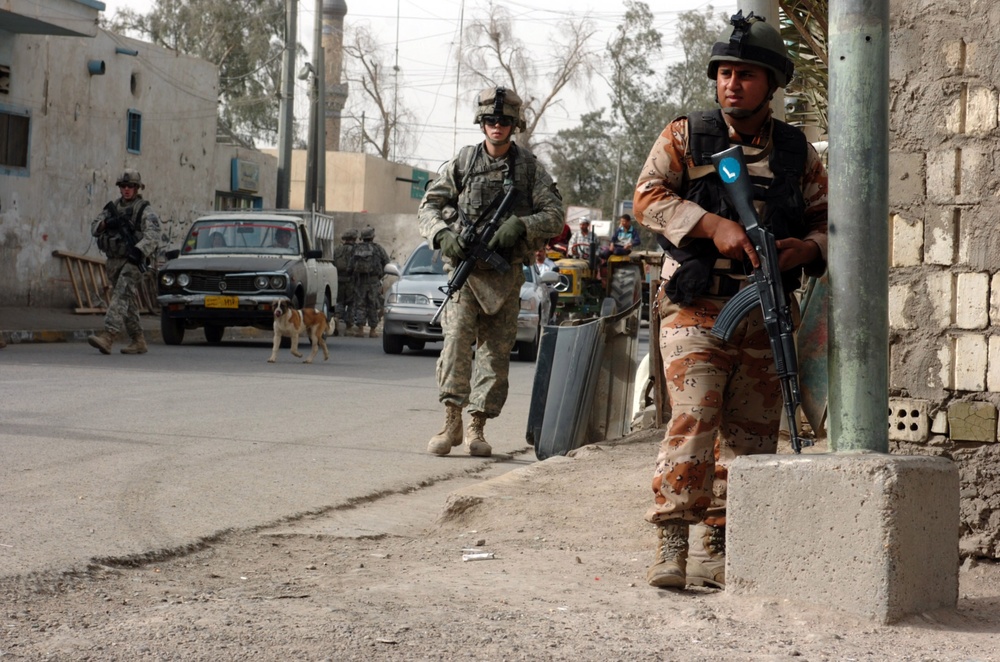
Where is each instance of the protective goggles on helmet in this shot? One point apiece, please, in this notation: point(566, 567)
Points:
point(494, 120)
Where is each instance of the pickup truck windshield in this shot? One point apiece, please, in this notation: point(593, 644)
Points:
point(242, 236)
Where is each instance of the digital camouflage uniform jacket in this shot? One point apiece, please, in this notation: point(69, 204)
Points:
point(537, 204)
point(147, 228)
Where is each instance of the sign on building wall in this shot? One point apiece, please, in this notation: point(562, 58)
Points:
point(419, 183)
point(245, 176)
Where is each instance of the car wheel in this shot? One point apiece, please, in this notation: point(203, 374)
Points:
point(416, 345)
point(327, 308)
point(171, 329)
point(213, 333)
point(392, 344)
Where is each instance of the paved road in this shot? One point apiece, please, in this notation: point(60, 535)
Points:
point(118, 456)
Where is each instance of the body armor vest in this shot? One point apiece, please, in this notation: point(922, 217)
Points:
point(784, 205)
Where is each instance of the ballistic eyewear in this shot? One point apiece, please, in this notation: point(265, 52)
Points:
point(502, 120)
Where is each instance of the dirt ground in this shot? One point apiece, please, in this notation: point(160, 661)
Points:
point(566, 582)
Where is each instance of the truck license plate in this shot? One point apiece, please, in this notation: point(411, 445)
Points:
point(222, 302)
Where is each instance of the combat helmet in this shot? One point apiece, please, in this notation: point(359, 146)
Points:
point(499, 101)
point(368, 233)
point(131, 177)
point(350, 235)
point(754, 41)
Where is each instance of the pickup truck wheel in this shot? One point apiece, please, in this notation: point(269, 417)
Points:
point(171, 329)
point(213, 333)
point(327, 308)
point(392, 344)
point(416, 345)
point(527, 350)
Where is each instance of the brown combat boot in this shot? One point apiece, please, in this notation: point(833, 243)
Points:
point(353, 331)
point(450, 435)
point(475, 442)
point(372, 332)
point(102, 341)
point(137, 346)
point(707, 560)
point(670, 567)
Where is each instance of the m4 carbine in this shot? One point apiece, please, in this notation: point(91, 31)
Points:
point(122, 225)
point(475, 242)
point(765, 289)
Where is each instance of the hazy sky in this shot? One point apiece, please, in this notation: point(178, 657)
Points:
point(426, 35)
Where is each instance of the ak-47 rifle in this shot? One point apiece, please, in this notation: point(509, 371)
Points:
point(766, 290)
point(475, 241)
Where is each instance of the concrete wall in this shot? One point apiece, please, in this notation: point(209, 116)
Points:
point(78, 149)
point(945, 248)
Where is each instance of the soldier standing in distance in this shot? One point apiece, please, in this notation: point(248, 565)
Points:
point(367, 266)
point(485, 310)
point(344, 310)
point(725, 397)
point(128, 233)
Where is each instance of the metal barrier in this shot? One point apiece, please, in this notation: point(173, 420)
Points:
point(92, 288)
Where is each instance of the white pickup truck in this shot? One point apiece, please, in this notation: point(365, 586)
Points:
point(233, 267)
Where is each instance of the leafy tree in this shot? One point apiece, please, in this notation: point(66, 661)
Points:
point(244, 38)
point(366, 71)
point(493, 56)
point(580, 165)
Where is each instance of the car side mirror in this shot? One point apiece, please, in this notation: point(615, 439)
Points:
point(172, 255)
point(392, 270)
point(314, 255)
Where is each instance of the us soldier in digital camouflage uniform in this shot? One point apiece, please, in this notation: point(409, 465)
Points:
point(128, 233)
point(485, 310)
point(725, 398)
point(342, 260)
point(367, 268)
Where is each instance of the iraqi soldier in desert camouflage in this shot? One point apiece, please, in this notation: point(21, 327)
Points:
point(725, 397)
point(484, 311)
point(128, 233)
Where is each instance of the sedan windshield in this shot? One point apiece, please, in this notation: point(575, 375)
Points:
point(424, 261)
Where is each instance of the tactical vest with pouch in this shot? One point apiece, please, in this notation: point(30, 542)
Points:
point(116, 243)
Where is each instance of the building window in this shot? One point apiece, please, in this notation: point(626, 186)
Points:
point(14, 139)
point(133, 139)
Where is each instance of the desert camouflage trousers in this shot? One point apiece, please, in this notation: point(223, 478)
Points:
point(725, 401)
point(123, 309)
point(482, 387)
point(366, 300)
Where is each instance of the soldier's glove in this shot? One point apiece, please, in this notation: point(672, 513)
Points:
point(112, 224)
point(450, 244)
point(135, 256)
point(508, 233)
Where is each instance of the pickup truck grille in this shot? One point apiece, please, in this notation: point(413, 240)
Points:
point(208, 282)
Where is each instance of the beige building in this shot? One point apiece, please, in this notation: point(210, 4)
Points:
point(79, 104)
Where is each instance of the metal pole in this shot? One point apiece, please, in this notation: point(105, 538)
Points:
point(319, 60)
point(286, 116)
point(309, 200)
point(859, 234)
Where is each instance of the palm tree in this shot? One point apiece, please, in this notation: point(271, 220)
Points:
point(805, 26)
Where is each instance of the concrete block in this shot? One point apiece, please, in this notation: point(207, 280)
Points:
point(866, 533)
point(995, 300)
point(941, 236)
point(907, 242)
point(899, 306)
point(954, 116)
point(940, 424)
point(993, 369)
point(970, 357)
point(981, 110)
point(972, 421)
point(941, 297)
point(945, 377)
point(942, 174)
point(953, 56)
point(908, 420)
point(972, 293)
point(977, 181)
point(906, 178)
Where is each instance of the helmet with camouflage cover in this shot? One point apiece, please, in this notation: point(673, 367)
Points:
point(753, 41)
point(368, 233)
point(499, 101)
point(350, 235)
point(131, 177)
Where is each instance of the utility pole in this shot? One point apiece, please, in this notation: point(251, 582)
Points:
point(320, 73)
point(286, 107)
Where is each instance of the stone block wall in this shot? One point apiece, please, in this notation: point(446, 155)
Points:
point(944, 299)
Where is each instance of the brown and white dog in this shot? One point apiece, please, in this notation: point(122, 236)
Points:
point(291, 323)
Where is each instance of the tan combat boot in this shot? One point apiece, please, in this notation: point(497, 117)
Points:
point(353, 331)
point(670, 567)
point(707, 561)
point(474, 439)
point(137, 346)
point(450, 435)
point(102, 341)
point(372, 332)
